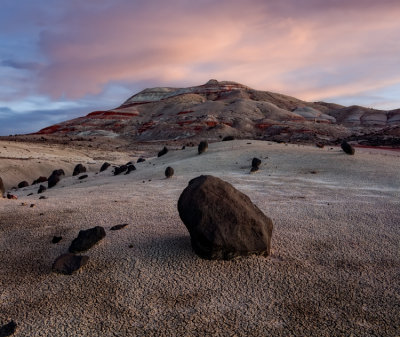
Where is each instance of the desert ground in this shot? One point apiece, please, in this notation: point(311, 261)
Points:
point(334, 268)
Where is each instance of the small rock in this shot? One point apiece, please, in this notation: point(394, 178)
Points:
point(183, 147)
point(141, 160)
point(8, 329)
point(32, 205)
point(256, 162)
point(55, 177)
point(87, 239)
point(118, 227)
point(347, 148)
point(39, 180)
point(23, 184)
point(69, 263)
point(169, 172)
point(29, 194)
point(83, 177)
point(131, 168)
point(11, 196)
point(105, 166)
point(203, 146)
point(56, 239)
point(118, 170)
point(319, 145)
point(163, 152)
point(41, 189)
point(79, 169)
point(228, 138)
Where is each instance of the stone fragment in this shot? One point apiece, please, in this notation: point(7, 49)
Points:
point(87, 239)
point(69, 263)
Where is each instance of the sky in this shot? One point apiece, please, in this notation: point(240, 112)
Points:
point(60, 59)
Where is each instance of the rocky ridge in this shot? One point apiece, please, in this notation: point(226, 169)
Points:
point(219, 109)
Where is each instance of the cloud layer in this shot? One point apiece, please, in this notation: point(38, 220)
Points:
point(311, 49)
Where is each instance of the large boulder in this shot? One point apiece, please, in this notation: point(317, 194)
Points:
point(2, 189)
point(79, 169)
point(223, 222)
point(69, 263)
point(87, 239)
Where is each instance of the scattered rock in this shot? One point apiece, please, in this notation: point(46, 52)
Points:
point(228, 138)
point(130, 169)
point(11, 196)
point(29, 194)
point(162, 152)
point(2, 190)
point(320, 145)
point(8, 329)
point(56, 239)
point(69, 263)
point(169, 172)
point(203, 146)
point(39, 180)
point(23, 203)
point(256, 162)
point(118, 227)
point(347, 148)
point(141, 160)
point(23, 184)
point(118, 170)
point(183, 147)
point(223, 222)
point(105, 166)
point(87, 239)
point(83, 177)
point(43, 197)
point(55, 177)
point(32, 205)
point(41, 189)
point(79, 169)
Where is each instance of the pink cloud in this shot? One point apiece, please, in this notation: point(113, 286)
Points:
point(303, 48)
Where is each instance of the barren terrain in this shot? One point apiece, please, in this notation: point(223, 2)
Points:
point(333, 271)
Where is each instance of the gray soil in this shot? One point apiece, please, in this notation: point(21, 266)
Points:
point(334, 268)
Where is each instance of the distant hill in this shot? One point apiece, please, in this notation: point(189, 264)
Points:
point(218, 109)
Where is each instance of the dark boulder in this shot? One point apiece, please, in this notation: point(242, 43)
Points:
point(79, 169)
point(8, 329)
point(169, 172)
point(55, 177)
point(223, 222)
point(118, 227)
point(69, 263)
point(83, 177)
point(347, 148)
point(39, 180)
point(120, 169)
point(41, 189)
point(131, 168)
point(87, 239)
point(141, 160)
point(162, 152)
point(228, 138)
point(256, 162)
point(203, 146)
point(23, 184)
point(2, 189)
point(105, 166)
